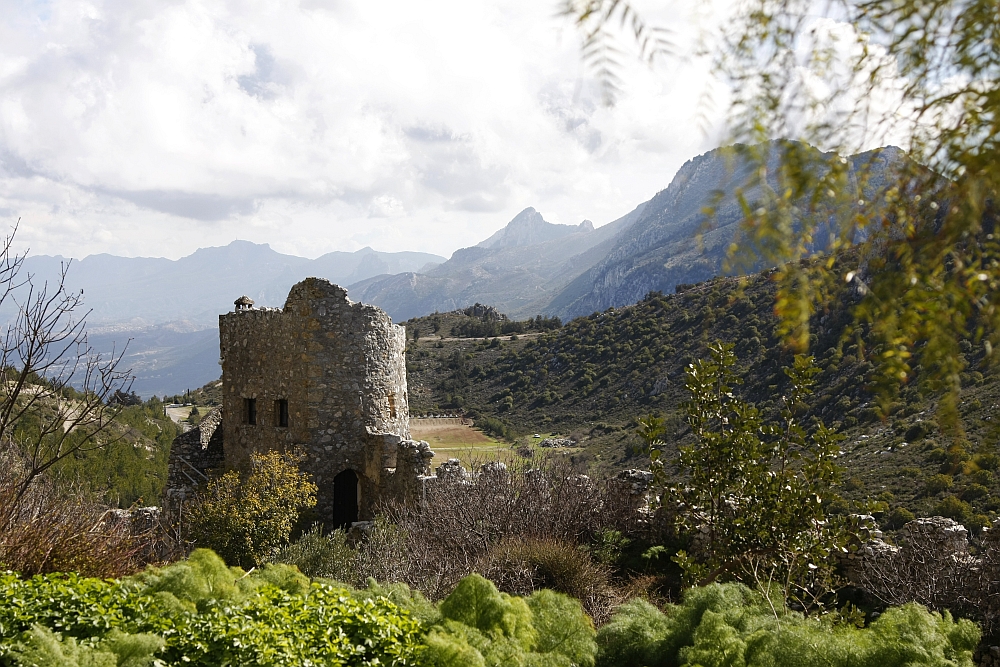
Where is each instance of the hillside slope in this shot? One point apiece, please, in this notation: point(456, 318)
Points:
point(675, 242)
point(592, 377)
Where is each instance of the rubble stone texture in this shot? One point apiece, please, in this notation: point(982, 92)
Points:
point(193, 455)
point(324, 377)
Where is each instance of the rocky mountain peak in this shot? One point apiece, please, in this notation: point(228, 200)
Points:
point(528, 228)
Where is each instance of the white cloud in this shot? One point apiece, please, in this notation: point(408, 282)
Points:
point(155, 128)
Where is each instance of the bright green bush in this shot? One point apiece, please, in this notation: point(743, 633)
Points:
point(728, 624)
point(200, 612)
point(482, 627)
point(43, 648)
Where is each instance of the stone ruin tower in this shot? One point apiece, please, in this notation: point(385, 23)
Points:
point(327, 377)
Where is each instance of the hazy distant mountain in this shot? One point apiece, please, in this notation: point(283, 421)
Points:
point(165, 359)
point(168, 311)
point(141, 292)
point(674, 242)
point(170, 308)
point(519, 269)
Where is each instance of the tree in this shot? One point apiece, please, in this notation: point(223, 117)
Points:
point(651, 429)
point(752, 493)
point(247, 518)
point(56, 391)
point(923, 258)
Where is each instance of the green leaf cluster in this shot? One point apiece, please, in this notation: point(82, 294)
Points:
point(200, 612)
point(482, 627)
point(729, 624)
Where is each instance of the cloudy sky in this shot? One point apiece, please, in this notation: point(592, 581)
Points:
point(152, 128)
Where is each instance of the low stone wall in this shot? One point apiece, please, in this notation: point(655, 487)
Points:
point(194, 456)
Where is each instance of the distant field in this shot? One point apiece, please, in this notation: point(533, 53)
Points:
point(453, 439)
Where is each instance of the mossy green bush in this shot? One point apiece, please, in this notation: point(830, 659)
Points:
point(482, 627)
point(729, 624)
point(200, 612)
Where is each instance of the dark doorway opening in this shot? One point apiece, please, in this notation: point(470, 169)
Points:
point(345, 499)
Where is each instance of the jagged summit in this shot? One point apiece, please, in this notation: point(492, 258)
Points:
point(528, 228)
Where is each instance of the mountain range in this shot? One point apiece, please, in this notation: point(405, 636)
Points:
point(532, 267)
point(169, 309)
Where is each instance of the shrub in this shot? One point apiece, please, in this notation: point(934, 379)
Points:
point(54, 530)
point(521, 567)
point(854, 484)
point(918, 431)
point(974, 492)
point(246, 519)
point(482, 626)
point(987, 461)
point(937, 483)
point(953, 508)
point(318, 555)
point(728, 624)
point(983, 477)
point(495, 427)
point(899, 518)
point(463, 520)
point(43, 648)
point(200, 612)
point(753, 491)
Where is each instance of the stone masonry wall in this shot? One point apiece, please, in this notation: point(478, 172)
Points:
point(194, 455)
point(341, 368)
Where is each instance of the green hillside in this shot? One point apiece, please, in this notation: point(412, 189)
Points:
point(592, 377)
point(132, 466)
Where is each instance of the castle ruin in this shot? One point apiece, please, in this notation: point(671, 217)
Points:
point(322, 376)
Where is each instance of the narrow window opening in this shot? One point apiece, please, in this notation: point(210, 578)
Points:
point(392, 406)
point(250, 411)
point(281, 412)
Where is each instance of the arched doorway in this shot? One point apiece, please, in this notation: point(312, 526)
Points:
point(345, 499)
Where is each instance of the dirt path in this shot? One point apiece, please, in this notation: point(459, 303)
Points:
point(434, 339)
point(178, 414)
